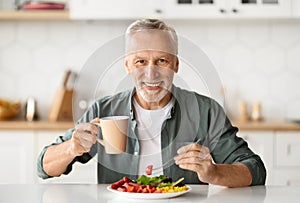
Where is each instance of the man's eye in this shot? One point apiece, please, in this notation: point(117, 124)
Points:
point(162, 60)
point(140, 61)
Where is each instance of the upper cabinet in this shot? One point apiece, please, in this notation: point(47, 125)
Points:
point(180, 9)
point(228, 8)
point(260, 8)
point(164, 9)
point(116, 9)
point(186, 9)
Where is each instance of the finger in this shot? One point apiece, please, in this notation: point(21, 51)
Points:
point(86, 145)
point(95, 121)
point(193, 147)
point(202, 155)
point(193, 160)
point(191, 167)
point(189, 147)
point(83, 135)
point(76, 145)
point(187, 154)
point(87, 127)
point(190, 160)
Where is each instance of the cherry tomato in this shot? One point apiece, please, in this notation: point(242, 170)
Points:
point(149, 169)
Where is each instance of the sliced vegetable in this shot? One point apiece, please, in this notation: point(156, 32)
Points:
point(144, 184)
point(149, 170)
point(144, 180)
point(178, 181)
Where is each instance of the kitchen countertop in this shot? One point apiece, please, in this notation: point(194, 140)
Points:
point(60, 193)
point(243, 126)
point(35, 125)
point(267, 126)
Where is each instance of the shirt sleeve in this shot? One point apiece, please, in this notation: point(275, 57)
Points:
point(60, 139)
point(227, 148)
point(89, 115)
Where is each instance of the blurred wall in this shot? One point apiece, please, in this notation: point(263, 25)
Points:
point(257, 60)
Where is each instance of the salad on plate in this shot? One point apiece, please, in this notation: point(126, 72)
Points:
point(146, 184)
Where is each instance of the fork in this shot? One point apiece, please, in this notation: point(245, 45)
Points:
point(171, 161)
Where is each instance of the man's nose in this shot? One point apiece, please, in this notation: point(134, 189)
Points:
point(152, 72)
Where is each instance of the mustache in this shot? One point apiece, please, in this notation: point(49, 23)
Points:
point(152, 69)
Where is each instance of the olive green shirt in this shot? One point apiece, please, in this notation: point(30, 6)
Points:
point(193, 117)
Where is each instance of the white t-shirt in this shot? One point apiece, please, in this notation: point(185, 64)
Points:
point(149, 124)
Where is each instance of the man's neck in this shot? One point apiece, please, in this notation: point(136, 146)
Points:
point(153, 105)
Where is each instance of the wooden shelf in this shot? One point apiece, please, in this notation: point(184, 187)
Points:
point(35, 125)
point(35, 15)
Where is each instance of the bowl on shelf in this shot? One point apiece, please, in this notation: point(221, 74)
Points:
point(9, 109)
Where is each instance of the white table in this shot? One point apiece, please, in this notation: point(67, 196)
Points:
point(59, 193)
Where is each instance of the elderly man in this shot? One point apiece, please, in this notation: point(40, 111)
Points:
point(166, 123)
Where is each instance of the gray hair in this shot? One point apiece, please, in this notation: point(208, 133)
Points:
point(152, 24)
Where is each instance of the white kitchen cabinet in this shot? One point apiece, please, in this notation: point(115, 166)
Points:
point(19, 151)
point(287, 162)
point(260, 8)
point(187, 9)
point(16, 155)
point(261, 143)
point(81, 173)
point(287, 149)
point(296, 8)
point(280, 152)
point(287, 176)
point(116, 9)
point(181, 9)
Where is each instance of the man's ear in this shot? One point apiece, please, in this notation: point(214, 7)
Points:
point(176, 65)
point(126, 65)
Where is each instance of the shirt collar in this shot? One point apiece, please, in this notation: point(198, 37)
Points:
point(131, 108)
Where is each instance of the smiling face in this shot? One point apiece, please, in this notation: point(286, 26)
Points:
point(152, 69)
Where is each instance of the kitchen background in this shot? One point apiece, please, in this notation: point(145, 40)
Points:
point(254, 45)
point(257, 60)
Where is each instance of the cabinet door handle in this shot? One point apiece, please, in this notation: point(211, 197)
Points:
point(158, 11)
point(222, 10)
point(234, 10)
point(288, 149)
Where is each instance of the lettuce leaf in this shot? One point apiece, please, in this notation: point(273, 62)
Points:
point(144, 180)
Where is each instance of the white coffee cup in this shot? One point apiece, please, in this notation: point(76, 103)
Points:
point(114, 132)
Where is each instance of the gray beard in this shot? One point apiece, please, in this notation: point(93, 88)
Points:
point(155, 99)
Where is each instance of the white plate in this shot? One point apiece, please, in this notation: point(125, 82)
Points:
point(135, 195)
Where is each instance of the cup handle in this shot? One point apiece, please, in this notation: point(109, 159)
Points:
point(101, 141)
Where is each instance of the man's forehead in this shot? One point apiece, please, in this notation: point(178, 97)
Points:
point(152, 53)
point(151, 40)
